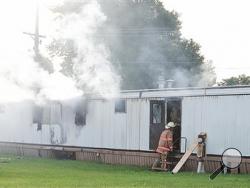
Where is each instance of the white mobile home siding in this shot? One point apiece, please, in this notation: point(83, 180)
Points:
point(15, 122)
point(225, 119)
point(106, 129)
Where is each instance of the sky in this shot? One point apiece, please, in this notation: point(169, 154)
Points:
point(222, 28)
point(17, 17)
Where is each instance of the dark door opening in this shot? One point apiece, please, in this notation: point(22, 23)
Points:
point(157, 122)
point(174, 115)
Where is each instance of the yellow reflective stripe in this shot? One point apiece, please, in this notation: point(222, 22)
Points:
point(163, 148)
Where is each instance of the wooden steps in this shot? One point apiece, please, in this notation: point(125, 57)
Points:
point(172, 160)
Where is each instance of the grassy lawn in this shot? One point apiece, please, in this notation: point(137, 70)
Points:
point(36, 172)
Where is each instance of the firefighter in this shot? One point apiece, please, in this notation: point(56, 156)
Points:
point(165, 146)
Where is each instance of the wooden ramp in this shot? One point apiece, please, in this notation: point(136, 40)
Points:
point(185, 157)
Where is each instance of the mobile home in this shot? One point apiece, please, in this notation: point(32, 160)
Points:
point(135, 120)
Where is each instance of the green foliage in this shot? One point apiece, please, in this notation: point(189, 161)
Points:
point(44, 62)
point(35, 172)
point(144, 41)
point(64, 48)
point(233, 81)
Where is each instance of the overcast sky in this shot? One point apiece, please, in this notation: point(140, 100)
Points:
point(222, 28)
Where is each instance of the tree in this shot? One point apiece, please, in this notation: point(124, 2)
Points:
point(233, 81)
point(145, 42)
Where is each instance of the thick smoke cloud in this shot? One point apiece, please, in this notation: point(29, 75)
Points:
point(147, 43)
point(91, 67)
point(22, 78)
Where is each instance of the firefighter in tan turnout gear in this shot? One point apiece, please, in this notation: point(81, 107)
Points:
point(165, 146)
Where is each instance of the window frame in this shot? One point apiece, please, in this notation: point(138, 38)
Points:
point(83, 117)
point(124, 107)
point(162, 113)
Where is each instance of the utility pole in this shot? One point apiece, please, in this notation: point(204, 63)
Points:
point(43, 61)
point(36, 36)
point(36, 39)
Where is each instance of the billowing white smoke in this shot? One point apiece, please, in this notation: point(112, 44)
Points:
point(24, 79)
point(21, 78)
point(205, 79)
point(92, 68)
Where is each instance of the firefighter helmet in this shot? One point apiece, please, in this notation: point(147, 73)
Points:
point(169, 125)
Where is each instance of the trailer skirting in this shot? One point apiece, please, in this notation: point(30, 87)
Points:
point(108, 156)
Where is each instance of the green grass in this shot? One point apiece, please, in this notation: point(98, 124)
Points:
point(36, 172)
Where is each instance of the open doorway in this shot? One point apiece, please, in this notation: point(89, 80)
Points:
point(173, 114)
point(162, 112)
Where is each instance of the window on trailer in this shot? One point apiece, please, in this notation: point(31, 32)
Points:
point(38, 116)
point(81, 114)
point(157, 113)
point(50, 113)
point(120, 106)
point(80, 118)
